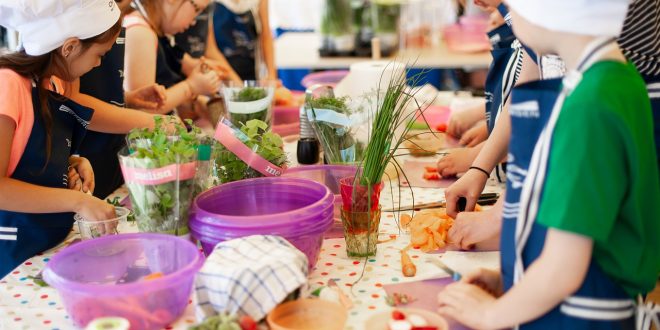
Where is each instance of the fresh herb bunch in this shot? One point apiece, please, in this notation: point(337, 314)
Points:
point(249, 94)
point(337, 18)
point(256, 136)
point(162, 208)
point(339, 144)
point(386, 18)
point(391, 115)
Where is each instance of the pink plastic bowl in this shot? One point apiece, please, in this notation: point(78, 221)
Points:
point(286, 120)
point(299, 210)
point(330, 77)
point(105, 277)
point(465, 40)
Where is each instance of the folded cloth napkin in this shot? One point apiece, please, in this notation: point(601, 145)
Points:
point(249, 276)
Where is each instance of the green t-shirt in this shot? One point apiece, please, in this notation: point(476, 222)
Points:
point(602, 179)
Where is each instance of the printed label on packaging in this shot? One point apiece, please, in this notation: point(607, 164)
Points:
point(224, 135)
point(155, 176)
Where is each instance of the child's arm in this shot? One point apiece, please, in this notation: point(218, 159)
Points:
point(140, 70)
point(18, 196)
point(267, 40)
point(556, 274)
point(109, 118)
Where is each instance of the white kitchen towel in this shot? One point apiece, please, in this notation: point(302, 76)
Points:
point(249, 276)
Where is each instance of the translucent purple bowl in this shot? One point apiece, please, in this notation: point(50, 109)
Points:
point(299, 210)
point(144, 278)
point(329, 175)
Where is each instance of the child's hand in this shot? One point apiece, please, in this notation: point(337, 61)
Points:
point(475, 135)
point(203, 82)
point(457, 161)
point(470, 186)
point(84, 169)
point(487, 279)
point(94, 209)
point(471, 228)
point(462, 120)
point(219, 68)
point(151, 97)
point(74, 179)
point(467, 304)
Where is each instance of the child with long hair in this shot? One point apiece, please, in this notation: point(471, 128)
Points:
point(40, 130)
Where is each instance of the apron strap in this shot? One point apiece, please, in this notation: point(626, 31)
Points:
point(647, 313)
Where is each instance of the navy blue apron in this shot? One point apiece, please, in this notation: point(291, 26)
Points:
point(503, 72)
point(193, 40)
point(599, 303)
point(236, 36)
point(105, 83)
point(168, 62)
point(26, 234)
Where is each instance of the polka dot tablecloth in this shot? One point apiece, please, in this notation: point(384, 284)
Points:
point(25, 305)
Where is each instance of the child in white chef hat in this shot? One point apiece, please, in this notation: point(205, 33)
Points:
point(40, 130)
point(580, 225)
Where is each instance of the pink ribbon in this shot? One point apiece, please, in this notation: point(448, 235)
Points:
point(155, 176)
point(224, 135)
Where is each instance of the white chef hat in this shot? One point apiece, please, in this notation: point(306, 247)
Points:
point(588, 17)
point(44, 25)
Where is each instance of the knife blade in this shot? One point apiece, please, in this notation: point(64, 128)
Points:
point(456, 276)
point(484, 199)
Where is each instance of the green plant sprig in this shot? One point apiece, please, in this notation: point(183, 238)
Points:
point(390, 116)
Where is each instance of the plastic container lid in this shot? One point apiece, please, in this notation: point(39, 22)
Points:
point(263, 203)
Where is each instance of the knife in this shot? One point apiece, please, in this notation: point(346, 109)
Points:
point(484, 199)
point(456, 276)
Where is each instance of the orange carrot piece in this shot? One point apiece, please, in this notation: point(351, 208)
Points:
point(407, 266)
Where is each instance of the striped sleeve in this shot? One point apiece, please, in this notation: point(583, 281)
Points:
point(640, 37)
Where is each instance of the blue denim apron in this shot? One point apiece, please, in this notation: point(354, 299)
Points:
point(105, 83)
point(23, 235)
point(599, 303)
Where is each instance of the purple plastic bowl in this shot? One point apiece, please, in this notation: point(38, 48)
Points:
point(329, 175)
point(105, 277)
point(299, 210)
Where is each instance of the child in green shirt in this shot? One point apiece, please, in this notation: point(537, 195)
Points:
point(582, 213)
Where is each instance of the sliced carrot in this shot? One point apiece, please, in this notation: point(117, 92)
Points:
point(153, 276)
point(407, 266)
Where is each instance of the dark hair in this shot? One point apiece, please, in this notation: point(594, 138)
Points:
point(38, 67)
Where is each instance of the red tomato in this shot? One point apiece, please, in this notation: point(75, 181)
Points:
point(431, 176)
point(442, 127)
point(247, 323)
point(431, 169)
point(398, 315)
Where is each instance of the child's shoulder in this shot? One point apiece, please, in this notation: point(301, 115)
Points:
point(11, 76)
point(11, 80)
point(135, 19)
point(612, 85)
